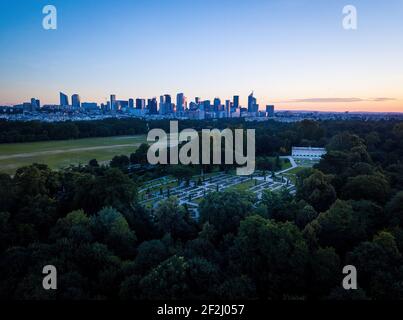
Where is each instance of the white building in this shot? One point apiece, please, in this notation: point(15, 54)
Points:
point(308, 153)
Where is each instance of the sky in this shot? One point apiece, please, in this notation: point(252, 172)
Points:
point(291, 53)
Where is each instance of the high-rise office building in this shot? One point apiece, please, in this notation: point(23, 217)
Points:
point(180, 102)
point(162, 105)
point(217, 104)
point(131, 103)
point(253, 107)
point(140, 104)
point(113, 102)
point(152, 106)
point(64, 100)
point(166, 106)
point(76, 101)
point(207, 105)
point(168, 99)
point(35, 104)
point(193, 106)
point(197, 100)
point(270, 111)
point(236, 102)
point(228, 107)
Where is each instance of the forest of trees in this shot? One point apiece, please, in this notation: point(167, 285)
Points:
point(87, 222)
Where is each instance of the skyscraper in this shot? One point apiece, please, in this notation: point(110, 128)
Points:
point(228, 107)
point(207, 105)
point(162, 105)
point(140, 104)
point(166, 106)
point(113, 102)
point(35, 104)
point(131, 104)
point(168, 99)
point(236, 102)
point(253, 107)
point(217, 104)
point(270, 111)
point(76, 101)
point(64, 100)
point(152, 106)
point(180, 102)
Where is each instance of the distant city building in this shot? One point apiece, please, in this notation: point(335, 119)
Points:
point(113, 102)
point(193, 106)
point(207, 106)
point(64, 100)
point(217, 104)
point(270, 111)
point(131, 104)
point(140, 104)
point(181, 102)
point(76, 101)
point(228, 106)
point(35, 104)
point(253, 107)
point(166, 106)
point(308, 153)
point(89, 106)
point(236, 102)
point(152, 106)
point(122, 105)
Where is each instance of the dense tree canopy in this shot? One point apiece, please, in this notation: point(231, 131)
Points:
point(89, 222)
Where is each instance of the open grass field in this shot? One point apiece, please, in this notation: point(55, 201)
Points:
point(60, 154)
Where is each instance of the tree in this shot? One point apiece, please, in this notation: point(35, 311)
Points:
point(203, 278)
point(166, 281)
point(112, 189)
point(280, 205)
point(317, 191)
point(345, 141)
point(110, 227)
point(121, 162)
point(170, 218)
point(310, 130)
point(324, 272)
point(149, 255)
point(140, 155)
point(7, 192)
point(394, 209)
point(93, 163)
point(304, 214)
point(182, 173)
point(369, 187)
point(225, 210)
point(274, 255)
point(378, 264)
point(340, 227)
point(237, 288)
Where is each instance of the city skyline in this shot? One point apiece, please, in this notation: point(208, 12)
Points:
point(294, 54)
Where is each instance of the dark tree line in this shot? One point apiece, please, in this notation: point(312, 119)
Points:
point(88, 223)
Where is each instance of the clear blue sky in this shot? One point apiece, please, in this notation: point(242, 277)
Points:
point(293, 53)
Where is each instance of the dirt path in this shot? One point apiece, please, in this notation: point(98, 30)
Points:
point(53, 152)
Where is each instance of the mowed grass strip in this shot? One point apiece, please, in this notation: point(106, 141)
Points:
point(60, 154)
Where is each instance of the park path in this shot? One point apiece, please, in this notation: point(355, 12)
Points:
point(60, 151)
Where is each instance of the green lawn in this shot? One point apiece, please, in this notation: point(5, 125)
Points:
point(59, 154)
